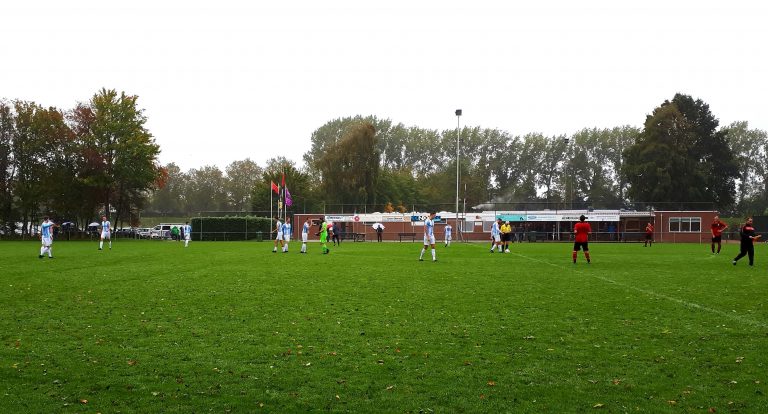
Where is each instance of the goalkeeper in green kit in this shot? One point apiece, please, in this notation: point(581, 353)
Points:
point(324, 235)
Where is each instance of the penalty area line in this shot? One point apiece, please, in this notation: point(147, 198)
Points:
point(692, 305)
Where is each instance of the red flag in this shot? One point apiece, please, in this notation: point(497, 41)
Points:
point(283, 184)
point(275, 188)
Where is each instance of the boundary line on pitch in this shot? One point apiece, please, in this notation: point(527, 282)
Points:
point(737, 317)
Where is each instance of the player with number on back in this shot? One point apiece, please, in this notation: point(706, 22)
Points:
point(582, 229)
point(429, 237)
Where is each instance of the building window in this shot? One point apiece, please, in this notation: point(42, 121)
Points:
point(685, 224)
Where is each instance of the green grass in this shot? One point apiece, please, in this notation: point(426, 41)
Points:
point(231, 327)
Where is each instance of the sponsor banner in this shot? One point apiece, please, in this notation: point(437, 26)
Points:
point(508, 217)
point(339, 218)
point(395, 218)
point(422, 217)
point(592, 217)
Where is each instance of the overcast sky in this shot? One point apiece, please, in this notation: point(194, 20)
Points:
point(224, 80)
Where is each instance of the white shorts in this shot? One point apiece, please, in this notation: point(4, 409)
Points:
point(187, 236)
point(304, 237)
point(105, 235)
point(47, 241)
point(279, 237)
point(497, 238)
point(447, 237)
point(287, 238)
point(429, 240)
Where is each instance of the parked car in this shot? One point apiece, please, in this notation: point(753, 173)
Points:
point(143, 233)
point(163, 231)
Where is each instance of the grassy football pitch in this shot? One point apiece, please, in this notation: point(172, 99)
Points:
point(231, 327)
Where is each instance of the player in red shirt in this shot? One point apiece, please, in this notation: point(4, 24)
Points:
point(717, 232)
point(648, 234)
point(582, 229)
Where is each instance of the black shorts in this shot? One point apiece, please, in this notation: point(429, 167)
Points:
point(648, 236)
point(583, 245)
point(505, 237)
point(717, 239)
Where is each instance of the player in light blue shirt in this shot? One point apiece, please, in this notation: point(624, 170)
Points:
point(448, 234)
point(46, 236)
point(496, 235)
point(278, 234)
point(429, 237)
point(304, 236)
point(286, 234)
point(187, 233)
point(106, 232)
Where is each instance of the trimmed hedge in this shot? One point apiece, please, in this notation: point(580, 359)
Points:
point(231, 228)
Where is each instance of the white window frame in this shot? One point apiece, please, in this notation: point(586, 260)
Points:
point(684, 224)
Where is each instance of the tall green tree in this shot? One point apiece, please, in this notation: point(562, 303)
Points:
point(681, 157)
point(242, 177)
point(205, 190)
point(120, 152)
point(750, 149)
point(350, 167)
point(6, 166)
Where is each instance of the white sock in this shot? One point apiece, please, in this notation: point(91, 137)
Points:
point(50, 252)
point(421, 256)
point(274, 249)
point(101, 244)
point(433, 255)
point(186, 243)
point(304, 247)
point(110, 243)
point(42, 250)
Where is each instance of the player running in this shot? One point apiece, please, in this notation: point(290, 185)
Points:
point(429, 237)
point(496, 235)
point(748, 238)
point(448, 234)
point(304, 236)
point(582, 230)
point(106, 232)
point(278, 234)
point(286, 234)
point(46, 237)
point(717, 233)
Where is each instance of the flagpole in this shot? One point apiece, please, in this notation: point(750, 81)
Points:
point(270, 201)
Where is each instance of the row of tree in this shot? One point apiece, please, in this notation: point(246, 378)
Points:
point(77, 163)
point(679, 159)
point(98, 156)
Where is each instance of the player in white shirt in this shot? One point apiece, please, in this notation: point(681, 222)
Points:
point(187, 233)
point(448, 235)
point(106, 232)
point(46, 236)
point(304, 236)
point(496, 235)
point(286, 234)
point(278, 234)
point(429, 237)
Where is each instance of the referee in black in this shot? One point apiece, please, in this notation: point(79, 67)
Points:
point(748, 237)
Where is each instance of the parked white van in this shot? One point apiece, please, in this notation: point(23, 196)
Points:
point(163, 230)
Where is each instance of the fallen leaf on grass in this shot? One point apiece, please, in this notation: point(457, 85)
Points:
point(616, 381)
point(598, 405)
point(380, 362)
point(672, 402)
point(491, 383)
point(83, 401)
point(712, 410)
point(132, 362)
point(529, 337)
point(18, 343)
point(337, 397)
point(307, 364)
point(390, 387)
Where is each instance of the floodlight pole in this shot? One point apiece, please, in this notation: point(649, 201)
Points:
point(458, 135)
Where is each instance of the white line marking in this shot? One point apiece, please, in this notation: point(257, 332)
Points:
point(731, 316)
